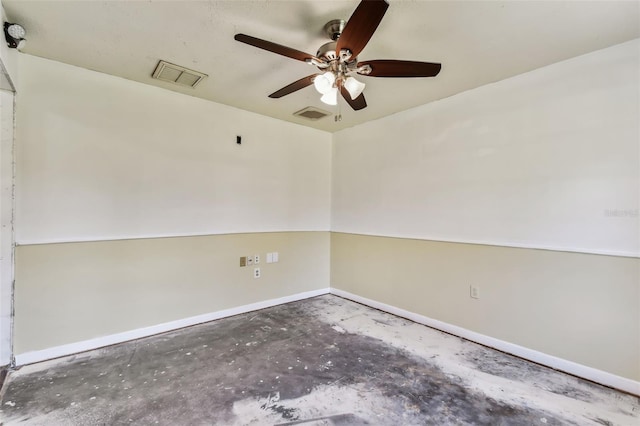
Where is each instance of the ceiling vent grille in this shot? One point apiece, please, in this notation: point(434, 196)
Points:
point(312, 113)
point(172, 73)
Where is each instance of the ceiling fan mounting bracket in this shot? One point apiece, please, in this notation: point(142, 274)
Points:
point(334, 28)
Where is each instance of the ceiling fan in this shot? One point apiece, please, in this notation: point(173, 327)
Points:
point(338, 59)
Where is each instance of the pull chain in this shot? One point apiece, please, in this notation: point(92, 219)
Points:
point(338, 116)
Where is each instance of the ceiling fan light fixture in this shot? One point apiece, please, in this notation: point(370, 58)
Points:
point(354, 87)
point(337, 60)
point(331, 97)
point(324, 82)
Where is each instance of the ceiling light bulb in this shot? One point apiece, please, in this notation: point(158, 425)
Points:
point(321, 84)
point(16, 31)
point(331, 97)
point(354, 87)
point(324, 83)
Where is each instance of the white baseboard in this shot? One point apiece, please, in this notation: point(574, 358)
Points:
point(589, 373)
point(99, 342)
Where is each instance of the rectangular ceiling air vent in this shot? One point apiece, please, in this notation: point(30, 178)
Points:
point(312, 113)
point(172, 73)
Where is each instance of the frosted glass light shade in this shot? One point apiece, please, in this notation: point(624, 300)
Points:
point(331, 97)
point(324, 83)
point(354, 87)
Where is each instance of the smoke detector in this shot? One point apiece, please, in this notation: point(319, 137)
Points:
point(173, 73)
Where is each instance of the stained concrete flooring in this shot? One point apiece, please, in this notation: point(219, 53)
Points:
point(320, 361)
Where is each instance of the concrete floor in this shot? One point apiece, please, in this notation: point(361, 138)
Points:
point(321, 361)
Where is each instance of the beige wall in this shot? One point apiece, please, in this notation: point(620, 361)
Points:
point(71, 292)
point(583, 308)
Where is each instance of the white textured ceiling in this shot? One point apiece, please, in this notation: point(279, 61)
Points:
point(477, 42)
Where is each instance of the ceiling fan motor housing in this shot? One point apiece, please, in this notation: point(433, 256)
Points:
point(338, 65)
point(328, 51)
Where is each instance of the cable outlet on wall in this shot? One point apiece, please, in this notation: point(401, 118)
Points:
point(249, 260)
point(474, 292)
point(256, 272)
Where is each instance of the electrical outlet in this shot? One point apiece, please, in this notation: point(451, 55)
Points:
point(243, 261)
point(256, 272)
point(474, 292)
point(249, 260)
point(256, 259)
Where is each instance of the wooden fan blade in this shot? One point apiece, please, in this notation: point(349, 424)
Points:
point(296, 85)
point(357, 103)
point(273, 47)
point(393, 68)
point(361, 26)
